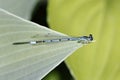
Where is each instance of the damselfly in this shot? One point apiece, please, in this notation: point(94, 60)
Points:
point(82, 39)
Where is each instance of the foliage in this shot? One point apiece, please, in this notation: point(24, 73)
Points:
point(100, 60)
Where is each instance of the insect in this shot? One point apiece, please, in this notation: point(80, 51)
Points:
point(82, 39)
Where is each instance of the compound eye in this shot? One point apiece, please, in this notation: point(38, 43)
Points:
point(91, 37)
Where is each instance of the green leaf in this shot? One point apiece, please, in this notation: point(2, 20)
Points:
point(27, 61)
point(98, 61)
point(53, 75)
point(22, 8)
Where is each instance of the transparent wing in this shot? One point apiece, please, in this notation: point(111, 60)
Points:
point(28, 62)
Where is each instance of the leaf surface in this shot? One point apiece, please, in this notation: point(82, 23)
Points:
point(29, 62)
